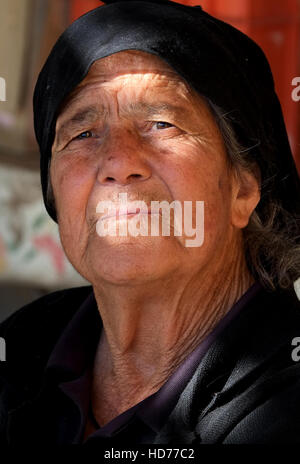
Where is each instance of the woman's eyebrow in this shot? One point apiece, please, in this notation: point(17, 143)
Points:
point(79, 118)
point(151, 109)
point(88, 114)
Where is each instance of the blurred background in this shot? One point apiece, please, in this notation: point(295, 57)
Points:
point(32, 262)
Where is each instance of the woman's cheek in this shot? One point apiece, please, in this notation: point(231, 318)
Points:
point(72, 181)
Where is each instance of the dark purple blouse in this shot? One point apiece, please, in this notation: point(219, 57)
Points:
point(73, 357)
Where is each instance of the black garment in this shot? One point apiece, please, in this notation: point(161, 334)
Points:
point(74, 353)
point(244, 390)
point(217, 60)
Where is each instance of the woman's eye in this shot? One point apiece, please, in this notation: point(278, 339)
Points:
point(84, 135)
point(163, 125)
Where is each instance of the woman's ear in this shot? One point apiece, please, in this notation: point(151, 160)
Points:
point(246, 196)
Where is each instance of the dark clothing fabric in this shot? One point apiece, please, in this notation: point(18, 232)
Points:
point(244, 389)
point(217, 60)
point(74, 354)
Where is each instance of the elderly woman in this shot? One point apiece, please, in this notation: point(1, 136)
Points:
point(171, 344)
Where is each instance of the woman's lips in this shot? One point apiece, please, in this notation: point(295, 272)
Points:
point(117, 214)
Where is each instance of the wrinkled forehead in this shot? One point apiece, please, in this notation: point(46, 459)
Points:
point(131, 63)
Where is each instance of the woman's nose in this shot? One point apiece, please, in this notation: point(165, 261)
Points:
point(123, 159)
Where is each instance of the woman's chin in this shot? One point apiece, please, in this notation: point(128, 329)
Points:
point(131, 259)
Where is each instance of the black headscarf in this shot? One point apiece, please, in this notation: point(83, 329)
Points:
point(215, 59)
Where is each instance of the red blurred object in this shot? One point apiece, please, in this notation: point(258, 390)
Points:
point(274, 25)
point(80, 7)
